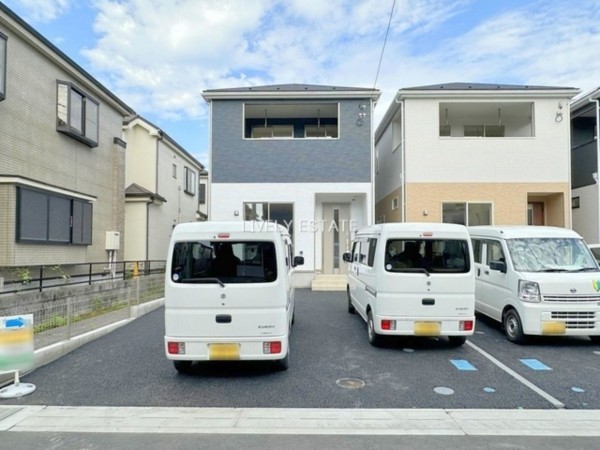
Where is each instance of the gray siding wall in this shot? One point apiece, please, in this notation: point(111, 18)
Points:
point(238, 160)
point(30, 147)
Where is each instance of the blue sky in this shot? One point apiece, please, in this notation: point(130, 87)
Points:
point(158, 56)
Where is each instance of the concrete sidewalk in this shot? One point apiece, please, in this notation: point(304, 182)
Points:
point(457, 422)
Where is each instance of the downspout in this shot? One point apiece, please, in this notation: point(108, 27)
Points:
point(371, 220)
point(210, 166)
point(403, 158)
point(595, 100)
point(158, 139)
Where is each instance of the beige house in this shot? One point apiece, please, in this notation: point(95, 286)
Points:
point(62, 159)
point(475, 154)
point(163, 188)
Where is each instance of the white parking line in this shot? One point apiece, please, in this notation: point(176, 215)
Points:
point(555, 402)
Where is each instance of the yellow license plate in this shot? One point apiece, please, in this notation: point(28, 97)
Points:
point(553, 328)
point(223, 352)
point(427, 328)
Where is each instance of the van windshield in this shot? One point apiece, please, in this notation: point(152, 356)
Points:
point(224, 262)
point(551, 255)
point(430, 255)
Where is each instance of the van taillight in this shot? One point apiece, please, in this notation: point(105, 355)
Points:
point(465, 325)
point(223, 235)
point(388, 325)
point(272, 347)
point(176, 348)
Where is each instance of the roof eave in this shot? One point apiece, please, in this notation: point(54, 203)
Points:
point(372, 94)
point(481, 93)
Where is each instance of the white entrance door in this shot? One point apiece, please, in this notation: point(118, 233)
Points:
point(336, 237)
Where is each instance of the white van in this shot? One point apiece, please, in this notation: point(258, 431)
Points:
point(413, 279)
point(228, 293)
point(536, 280)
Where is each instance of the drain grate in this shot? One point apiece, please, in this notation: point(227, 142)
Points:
point(350, 383)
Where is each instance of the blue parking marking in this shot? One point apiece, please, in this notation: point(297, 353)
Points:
point(463, 364)
point(535, 364)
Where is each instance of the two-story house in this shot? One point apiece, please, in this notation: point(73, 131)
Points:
point(475, 154)
point(62, 159)
point(300, 155)
point(163, 188)
point(585, 168)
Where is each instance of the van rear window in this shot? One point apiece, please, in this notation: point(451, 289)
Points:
point(224, 262)
point(432, 255)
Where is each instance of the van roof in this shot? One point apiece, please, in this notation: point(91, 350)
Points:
point(521, 231)
point(224, 227)
point(412, 227)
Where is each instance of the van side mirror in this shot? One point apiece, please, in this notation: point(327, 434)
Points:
point(298, 261)
point(498, 265)
point(347, 257)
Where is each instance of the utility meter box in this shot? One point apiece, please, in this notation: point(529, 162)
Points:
point(112, 240)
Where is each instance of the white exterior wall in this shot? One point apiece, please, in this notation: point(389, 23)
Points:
point(542, 158)
point(389, 176)
point(229, 197)
point(135, 231)
point(141, 157)
point(585, 218)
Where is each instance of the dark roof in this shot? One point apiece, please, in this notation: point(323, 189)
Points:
point(135, 190)
point(462, 86)
point(292, 87)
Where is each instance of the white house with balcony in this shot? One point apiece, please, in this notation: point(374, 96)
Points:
point(475, 154)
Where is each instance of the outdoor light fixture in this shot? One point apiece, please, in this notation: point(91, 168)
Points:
point(559, 116)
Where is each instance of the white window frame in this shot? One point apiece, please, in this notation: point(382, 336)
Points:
point(190, 181)
point(491, 205)
point(394, 203)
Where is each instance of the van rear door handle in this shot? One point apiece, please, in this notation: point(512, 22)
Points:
point(223, 318)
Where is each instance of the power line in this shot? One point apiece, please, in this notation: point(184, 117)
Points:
point(384, 42)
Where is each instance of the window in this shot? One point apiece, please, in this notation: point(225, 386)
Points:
point(477, 249)
point(431, 255)
point(3, 58)
point(174, 170)
point(43, 217)
point(77, 114)
point(468, 214)
point(575, 202)
point(486, 119)
point(372, 248)
point(281, 213)
point(201, 194)
point(190, 181)
point(226, 262)
point(363, 252)
point(291, 120)
point(494, 252)
point(395, 203)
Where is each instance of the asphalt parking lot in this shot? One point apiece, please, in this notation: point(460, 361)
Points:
point(332, 366)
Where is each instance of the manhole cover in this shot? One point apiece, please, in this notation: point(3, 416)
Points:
point(350, 383)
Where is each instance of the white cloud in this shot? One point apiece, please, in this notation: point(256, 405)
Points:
point(159, 56)
point(46, 10)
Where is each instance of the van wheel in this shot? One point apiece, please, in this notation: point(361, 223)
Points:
point(283, 364)
point(595, 339)
point(513, 327)
point(183, 366)
point(457, 341)
point(374, 338)
point(351, 308)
